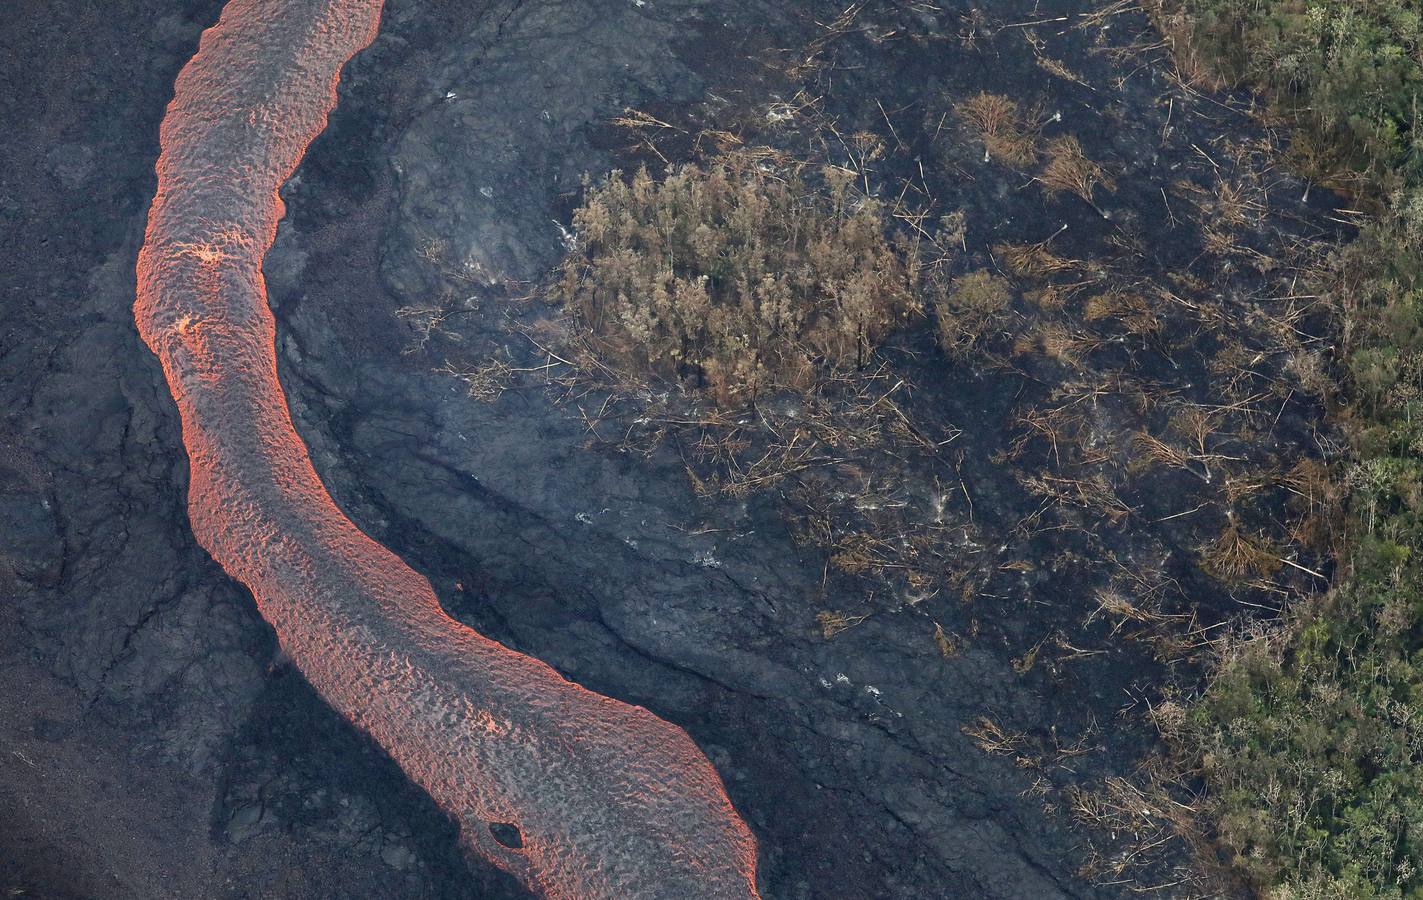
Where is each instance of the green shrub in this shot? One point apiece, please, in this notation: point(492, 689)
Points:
point(1310, 737)
point(738, 276)
point(1348, 68)
point(1312, 744)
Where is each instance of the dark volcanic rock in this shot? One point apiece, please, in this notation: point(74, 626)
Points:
point(503, 132)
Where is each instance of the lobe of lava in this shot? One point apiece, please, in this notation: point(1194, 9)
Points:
point(610, 800)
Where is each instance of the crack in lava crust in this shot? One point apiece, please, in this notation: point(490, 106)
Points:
point(610, 800)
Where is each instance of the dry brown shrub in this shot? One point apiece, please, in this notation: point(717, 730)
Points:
point(1057, 341)
point(1008, 135)
point(1171, 18)
point(968, 308)
point(1049, 297)
point(832, 623)
point(1033, 260)
point(1310, 480)
point(1069, 169)
point(1151, 449)
point(993, 738)
point(1237, 555)
point(1131, 309)
point(949, 645)
point(739, 276)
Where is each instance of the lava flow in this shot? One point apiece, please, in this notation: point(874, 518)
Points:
point(609, 800)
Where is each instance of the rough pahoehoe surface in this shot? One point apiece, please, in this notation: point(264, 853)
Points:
point(609, 800)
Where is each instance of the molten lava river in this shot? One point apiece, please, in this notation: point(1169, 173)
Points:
point(609, 800)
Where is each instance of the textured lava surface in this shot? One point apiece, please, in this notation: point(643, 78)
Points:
point(608, 799)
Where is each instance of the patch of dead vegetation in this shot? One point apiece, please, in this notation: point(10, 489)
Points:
point(1068, 169)
point(739, 276)
point(1009, 133)
point(968, 307)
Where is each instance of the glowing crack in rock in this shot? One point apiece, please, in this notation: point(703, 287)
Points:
point(609, 800)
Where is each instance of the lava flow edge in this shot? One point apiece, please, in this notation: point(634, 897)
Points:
point(609, 799)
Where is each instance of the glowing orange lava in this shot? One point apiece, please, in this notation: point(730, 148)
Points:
point(610, 800)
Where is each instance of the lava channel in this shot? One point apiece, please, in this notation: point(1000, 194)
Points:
point(609, 800)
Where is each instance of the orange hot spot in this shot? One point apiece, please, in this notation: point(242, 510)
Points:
point(205, 253)
point(610, 801)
